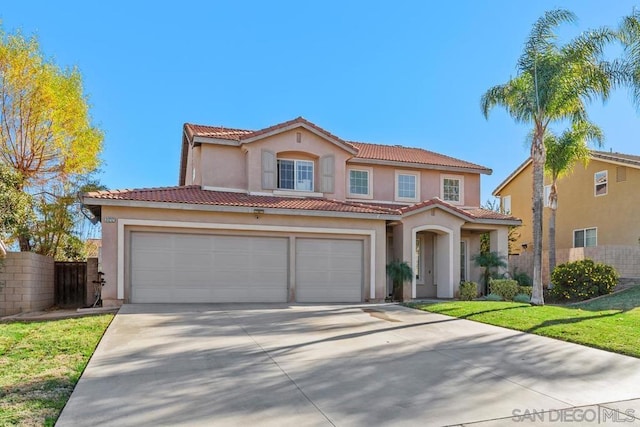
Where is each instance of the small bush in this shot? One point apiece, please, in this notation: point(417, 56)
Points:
point(522, 278)
point(493, 297)
point(468, 291)
point(522, 298)
point(526, 290)
point(581, 280)
point(506, 288)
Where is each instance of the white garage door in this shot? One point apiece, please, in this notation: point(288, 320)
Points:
point(167, 267)
point(329, 270)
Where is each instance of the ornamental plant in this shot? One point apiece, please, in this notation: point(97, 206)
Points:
point(581, 280)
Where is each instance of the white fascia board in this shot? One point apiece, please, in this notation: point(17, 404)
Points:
point(237, 209)
point(123, 222)
point(357, 160)
point(216, 141)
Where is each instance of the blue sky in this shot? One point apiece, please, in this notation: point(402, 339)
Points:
point(402, 72)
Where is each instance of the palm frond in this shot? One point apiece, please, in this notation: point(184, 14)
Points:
point(542, 36)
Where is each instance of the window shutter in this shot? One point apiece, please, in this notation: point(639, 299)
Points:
point(268, 170)
point(327, 169)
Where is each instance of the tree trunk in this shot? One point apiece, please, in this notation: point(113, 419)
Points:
point(553, 204)
point(538, 155)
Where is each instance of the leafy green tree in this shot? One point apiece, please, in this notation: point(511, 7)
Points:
point(15, 205)
point(399, 272)
point(553, 84)
point(46, 134)
point(563, 153)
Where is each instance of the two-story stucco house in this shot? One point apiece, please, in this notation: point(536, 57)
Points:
point(293, 213)
point(598, 214)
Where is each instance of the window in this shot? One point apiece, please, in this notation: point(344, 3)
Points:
point(547, 195)
point(407, 186)
point(295, 175)
point(452, 190)
point(600, 180)
point(463, 261)
point(506, 204)
point(359, 183)
point(585, 237)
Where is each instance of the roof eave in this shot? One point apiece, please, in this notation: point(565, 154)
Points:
point(361, 160)
point(92, 201)
point(511, 177)
point(342, 144)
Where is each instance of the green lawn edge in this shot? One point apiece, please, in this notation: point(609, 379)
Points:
point(611, 323)
point(41, 363)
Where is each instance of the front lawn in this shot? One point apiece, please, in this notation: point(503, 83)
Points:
point(40, 364)
point(610, 323)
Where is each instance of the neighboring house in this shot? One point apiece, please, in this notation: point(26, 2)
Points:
point(292, 213)
point(598, 213)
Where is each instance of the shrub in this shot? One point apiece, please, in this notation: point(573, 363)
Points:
point(468, 291)
point(521, 277)
point(522, 298)
point(524, 290)
point(493, 297)
point(506, 288)
point(581, 280)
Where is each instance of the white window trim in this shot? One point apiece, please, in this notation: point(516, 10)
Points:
point(295, 173)
point(585, 237)
point(460, 178)
point(407, 199)
point(504, 203)
point(595, 184)
point(369, 172)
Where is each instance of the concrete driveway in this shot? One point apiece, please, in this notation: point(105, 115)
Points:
point(369, 365)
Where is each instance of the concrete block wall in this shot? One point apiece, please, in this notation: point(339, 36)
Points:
point(26, 283)
point(625, 259)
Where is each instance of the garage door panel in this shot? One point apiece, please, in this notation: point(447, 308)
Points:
point(329, 270)
point(169, 267)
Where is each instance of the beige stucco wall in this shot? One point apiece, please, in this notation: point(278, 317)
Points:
point(241, 168)
point(384, 183)
point(223, 166)
point(616, 215)
point(310, 145)
point(182, 218)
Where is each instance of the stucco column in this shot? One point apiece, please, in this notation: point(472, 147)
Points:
point(499, 242)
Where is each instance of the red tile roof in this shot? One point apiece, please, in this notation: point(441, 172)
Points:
point(398, 153)
point(193, 194)
point(217, 132)
point(391, 153)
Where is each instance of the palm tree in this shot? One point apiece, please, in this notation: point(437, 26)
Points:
point(553, 84)
point(562, 154)
point(630, 36)
point(490, 261)
point(399, 272)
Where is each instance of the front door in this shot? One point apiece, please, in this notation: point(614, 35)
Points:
point(425, 285)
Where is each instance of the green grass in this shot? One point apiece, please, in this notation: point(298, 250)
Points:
point(610, 323)
point(40, 364)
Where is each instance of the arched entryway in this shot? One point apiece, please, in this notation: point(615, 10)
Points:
point(432, 261)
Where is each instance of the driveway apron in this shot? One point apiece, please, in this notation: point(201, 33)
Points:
point(341, 365)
